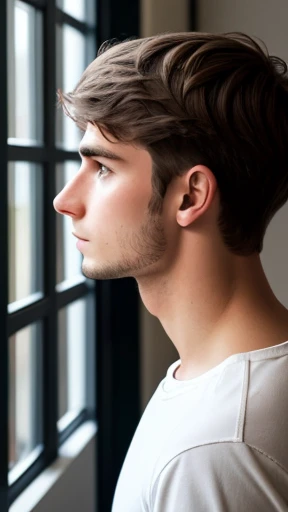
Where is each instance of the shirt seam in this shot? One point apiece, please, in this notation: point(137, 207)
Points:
point(207, 443)
point(239, 433)
point(267, 456)
point(152, 485)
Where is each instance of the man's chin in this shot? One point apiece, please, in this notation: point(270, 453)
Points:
point(92, 271)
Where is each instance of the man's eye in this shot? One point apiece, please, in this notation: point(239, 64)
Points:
point(103, 170)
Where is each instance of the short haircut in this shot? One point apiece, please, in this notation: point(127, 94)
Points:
point(198, 98)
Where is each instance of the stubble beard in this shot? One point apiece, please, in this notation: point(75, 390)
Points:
point(140, 251)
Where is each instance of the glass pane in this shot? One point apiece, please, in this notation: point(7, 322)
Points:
point(71, 63)
point(25, 98)
point(25, 397)
point(25, 229)
point(72, 353)
point(76, 9)
point(82, 10)
point(69, 259)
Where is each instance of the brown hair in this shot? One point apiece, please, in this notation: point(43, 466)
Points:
point(198, 98)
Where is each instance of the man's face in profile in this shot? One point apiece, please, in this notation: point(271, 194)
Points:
point(108, 203)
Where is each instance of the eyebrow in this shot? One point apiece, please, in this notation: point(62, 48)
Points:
point(97, 151)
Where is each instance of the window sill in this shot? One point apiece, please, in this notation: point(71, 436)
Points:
point(68, 452)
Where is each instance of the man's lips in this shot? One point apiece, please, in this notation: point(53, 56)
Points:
point(79, 237)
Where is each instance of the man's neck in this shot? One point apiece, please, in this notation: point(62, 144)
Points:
point(219, 309)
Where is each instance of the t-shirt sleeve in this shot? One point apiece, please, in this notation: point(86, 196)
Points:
point(221, 477)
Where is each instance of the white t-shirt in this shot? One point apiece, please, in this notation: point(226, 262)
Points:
point(216, 443)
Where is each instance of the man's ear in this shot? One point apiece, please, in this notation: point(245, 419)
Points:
point(196, 191)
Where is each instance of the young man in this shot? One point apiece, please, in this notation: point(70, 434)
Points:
point(184, 163)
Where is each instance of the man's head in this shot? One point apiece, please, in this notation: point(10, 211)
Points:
point(201, 113)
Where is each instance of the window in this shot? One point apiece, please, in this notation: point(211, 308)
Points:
point(47, 307)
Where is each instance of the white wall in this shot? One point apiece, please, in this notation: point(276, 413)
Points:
point(261, 18)
point(266, 19)
point(164, 15)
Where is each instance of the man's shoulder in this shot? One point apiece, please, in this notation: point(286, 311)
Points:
point(265, 417)
point(246, 404)
point(223, 475)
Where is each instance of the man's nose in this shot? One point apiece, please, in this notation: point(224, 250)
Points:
point(70, 200)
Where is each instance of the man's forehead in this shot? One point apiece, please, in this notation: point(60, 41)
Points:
point(94, 143)
point(94, 130)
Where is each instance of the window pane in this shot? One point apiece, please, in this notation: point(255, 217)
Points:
point(25, 98)
point(82, 10)
point(75, 9)
point(25, 398)
point(69, 258)
point(71, 63)
point(72, 353)
point(25, 229)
